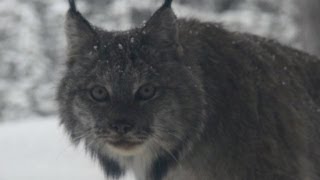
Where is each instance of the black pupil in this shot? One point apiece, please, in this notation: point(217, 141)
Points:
point(147, 92)
point(99, 93)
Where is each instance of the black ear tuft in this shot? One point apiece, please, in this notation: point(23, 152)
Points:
point(72, 6)
point(161, 30)
point(167, 3)
point(80, 33)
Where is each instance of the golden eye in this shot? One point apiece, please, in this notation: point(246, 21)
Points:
point(99, 93)
point(146, 92)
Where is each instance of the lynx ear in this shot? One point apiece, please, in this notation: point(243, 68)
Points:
point(161, 30)
point(80, 34)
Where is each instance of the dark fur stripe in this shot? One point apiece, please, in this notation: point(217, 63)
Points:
point(110, 167)
point(160, 167)
point(162, 164)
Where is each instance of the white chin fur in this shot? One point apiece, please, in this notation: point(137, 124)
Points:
point(125, 152)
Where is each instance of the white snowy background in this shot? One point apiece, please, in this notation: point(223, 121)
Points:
point(32, 55)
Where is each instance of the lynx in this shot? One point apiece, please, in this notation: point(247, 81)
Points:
point(180, 99)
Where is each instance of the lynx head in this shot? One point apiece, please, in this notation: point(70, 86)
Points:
point(129, 92)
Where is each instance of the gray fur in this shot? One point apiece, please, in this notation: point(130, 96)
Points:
point(228, 106)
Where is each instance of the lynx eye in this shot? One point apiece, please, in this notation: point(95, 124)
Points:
point(99, 93)
point(146, 92)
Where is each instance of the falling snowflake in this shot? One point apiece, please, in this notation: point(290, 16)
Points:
point(120, 46)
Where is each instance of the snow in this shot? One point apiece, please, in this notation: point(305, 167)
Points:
point(38, 149)
point(132, 40)
point(120, 46)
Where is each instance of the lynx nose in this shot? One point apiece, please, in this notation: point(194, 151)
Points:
point(121, 127)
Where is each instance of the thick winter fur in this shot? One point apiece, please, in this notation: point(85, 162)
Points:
point(227, 106)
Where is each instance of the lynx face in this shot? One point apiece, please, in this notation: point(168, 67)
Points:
point(129, 92)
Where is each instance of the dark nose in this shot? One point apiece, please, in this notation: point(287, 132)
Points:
point(121, 127)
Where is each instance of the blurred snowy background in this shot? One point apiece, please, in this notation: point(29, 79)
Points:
point(32, 55)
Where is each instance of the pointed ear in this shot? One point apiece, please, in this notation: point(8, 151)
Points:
point(80, 34)
point(161, 30)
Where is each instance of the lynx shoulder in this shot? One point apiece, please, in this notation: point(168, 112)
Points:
point(181, 99)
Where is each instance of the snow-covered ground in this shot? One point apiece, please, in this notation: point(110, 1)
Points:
point(38, 149)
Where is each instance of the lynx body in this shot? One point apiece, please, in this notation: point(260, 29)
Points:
point(184, 100)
